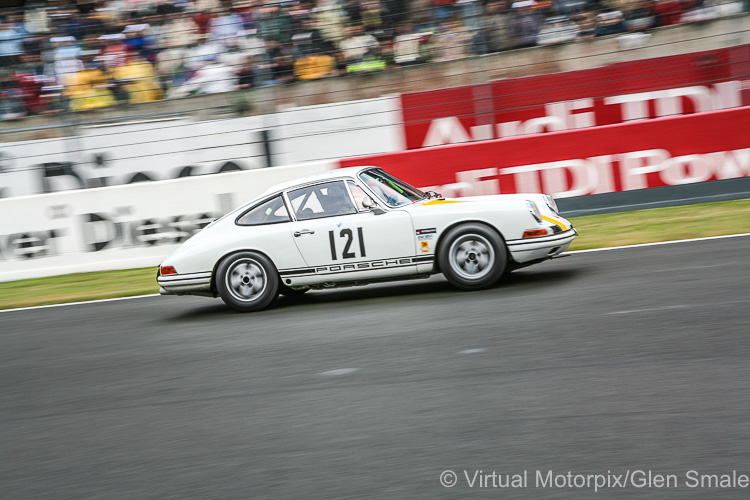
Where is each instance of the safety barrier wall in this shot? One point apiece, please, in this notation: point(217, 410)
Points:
point(168, 148)
point(644, 154)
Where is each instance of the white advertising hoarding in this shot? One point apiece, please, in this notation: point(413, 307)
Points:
point(168, 148)
point(123, 153)
point(338, 130)
point(122, 227)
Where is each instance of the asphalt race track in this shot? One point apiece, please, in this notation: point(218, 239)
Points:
point(622, 361)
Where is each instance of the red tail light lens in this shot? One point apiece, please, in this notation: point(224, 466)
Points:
point(165, 270)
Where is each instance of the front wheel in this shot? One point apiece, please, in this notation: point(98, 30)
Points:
point(247, 281)
point(472, 256)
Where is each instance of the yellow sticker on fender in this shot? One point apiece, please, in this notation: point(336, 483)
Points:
point(439, 202)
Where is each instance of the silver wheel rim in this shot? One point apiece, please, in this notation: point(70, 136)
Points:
point(246, 280)
point(472, 256)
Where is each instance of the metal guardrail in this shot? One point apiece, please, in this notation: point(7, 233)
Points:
point(655, 197)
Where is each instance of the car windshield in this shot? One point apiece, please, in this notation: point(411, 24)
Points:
point(391, 190)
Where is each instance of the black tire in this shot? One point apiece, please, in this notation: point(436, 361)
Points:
point(291, 292)
point(247, 281)
point(472, 256)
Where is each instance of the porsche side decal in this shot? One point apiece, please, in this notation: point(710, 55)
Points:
point(357, 266)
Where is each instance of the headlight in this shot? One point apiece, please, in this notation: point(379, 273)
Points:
point(550, 201)
point(534, 210)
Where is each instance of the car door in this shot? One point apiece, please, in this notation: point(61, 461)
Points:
point(265, 228)
point(335, 236)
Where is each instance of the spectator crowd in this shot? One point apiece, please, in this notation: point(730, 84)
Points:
point(67, 55)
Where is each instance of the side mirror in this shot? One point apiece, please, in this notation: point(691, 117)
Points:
point(370, 205)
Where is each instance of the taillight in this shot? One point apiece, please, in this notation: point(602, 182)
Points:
point(165, 270)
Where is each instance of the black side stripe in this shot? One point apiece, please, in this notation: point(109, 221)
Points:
point(423, 259)
point(297, 271)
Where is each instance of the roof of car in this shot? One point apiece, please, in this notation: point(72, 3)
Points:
point(338, 173)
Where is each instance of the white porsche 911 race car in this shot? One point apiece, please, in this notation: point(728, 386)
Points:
point(356, 226)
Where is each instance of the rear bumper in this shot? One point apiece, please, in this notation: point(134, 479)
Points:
point(178, 284)
point(542, 247)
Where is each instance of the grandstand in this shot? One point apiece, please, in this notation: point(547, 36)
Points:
point(252, 57)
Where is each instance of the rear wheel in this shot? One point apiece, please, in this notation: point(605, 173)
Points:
point(247, 281)
point(472, 256)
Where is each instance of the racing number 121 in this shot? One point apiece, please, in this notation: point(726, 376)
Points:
point(349, 236)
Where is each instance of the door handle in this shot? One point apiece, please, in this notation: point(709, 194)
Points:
point(297, 234)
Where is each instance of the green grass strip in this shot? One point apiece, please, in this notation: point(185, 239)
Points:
point(595, 231)
point(78, 287)
point(662, 224)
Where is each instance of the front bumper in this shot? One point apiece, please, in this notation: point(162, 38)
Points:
point(542, 247)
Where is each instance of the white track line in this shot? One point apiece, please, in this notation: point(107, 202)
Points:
point(338, 372)
point(79, 303)
point(565, 253)
point(678, 306)
point(658, 243)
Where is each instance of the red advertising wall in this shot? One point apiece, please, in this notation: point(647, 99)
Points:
point(660, 152)
point(650, 88)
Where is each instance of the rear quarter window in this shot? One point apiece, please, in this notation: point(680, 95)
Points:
point(272, 211)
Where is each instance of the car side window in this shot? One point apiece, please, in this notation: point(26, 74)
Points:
point(327, 199)
point(270, 212)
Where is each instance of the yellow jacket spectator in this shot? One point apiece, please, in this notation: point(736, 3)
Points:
point(88, 89)
point(314, 66)
point(137, 77)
